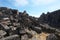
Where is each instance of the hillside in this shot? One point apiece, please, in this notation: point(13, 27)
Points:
point(15, 25)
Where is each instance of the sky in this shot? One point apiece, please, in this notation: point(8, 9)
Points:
point(33, 7)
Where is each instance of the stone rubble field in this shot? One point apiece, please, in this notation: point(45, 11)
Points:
point(15, 25)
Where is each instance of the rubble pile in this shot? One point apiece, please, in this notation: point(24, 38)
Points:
point(51, 18)
point(15, 25)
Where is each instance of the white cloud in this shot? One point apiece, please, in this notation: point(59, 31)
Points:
point(23, 3)
point(19, 3)
point(42, 2)
point(54, 7)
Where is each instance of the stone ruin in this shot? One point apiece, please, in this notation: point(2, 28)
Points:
point(15, 25)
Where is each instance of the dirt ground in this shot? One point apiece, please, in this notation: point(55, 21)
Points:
point(36, 36)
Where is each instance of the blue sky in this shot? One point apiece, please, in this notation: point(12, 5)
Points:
point(33, 7)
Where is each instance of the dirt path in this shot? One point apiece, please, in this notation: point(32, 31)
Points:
point(41, 36)
point(36, 36)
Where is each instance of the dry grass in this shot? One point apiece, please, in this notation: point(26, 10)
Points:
point(36, 36)
point(41, 36)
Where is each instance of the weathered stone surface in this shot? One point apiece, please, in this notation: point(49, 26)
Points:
point(24, 37)
point(13, 37)
point(52, 37)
